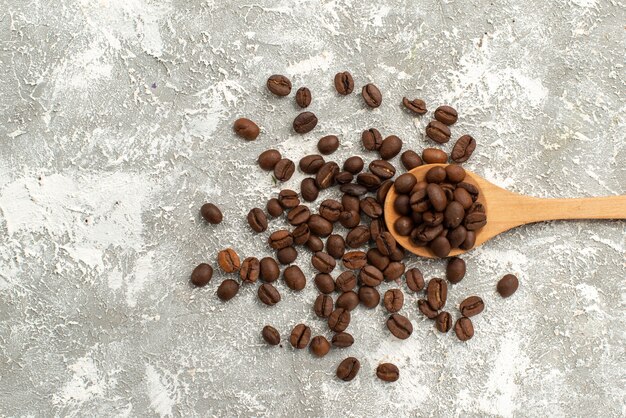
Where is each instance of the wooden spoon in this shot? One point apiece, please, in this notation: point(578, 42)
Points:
point(506, 210)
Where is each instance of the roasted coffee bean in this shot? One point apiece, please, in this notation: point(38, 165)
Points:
point(246, 129)
point(470, 240)
point(288, 199)
point(394, 271)
point(330, 210)
point(393, 300)
point(420, 185)
point(463, 197)
point(354, 190)
point(457, 236)
point(443, 322)
point(308, 189)
point(268, 294)
point(324, 283)
point(476, 207)
point(402, 204)
point(437, 293)
point(417, 218)
point(448, 190)
point(250, 270)
point(349, 202)
point(390, 147)
point(410, 159)
point(474, 220)
point(400, 326)
point(283, 170)
point(370, 276)
point(268, 269)
point(300, 336)
point(446, 115)
point(440, 246)
point(386, 371)
point(344, 177)
point(398, 254)
point(339, 320)
point(354, 260)
point(323, 306)
point(371, 139)
point(369, 297)
point(358, 236)
point(470, 188)
point(319, 346)
point(326, 175)
point(369, 180)
point(436, 175)
point(211, 213)
point(455, 173)
point(471, 306)
point(311, 164)
point(349, 219)
point(286, 255)
point(463, 149)
point(304, 122)
point(425, 309)
point(455, 270)
point(301, 234)
point(371, 95)
point(507, 285)
point(303, 97)
point(414, 279)
point(201, 275)
point(294, 278)
point(371, 207)
point(335, 246)
point(314, 243)
point(381, 193)
point(280, 239)
point(267, 159)
point(347, 300)
point(464, 329)
point(416, 105)
point(377, 259)
point(323, 262)
point(328, 144)
point(434, 156)
point(274, 208)
point(383, 169)
point(342, 340)
point(279, 85)
point(438, 132)
point(271, 335)
point(299, 215)
point(427, 233)
point(320, 226)
point(453, 216)
point(257, 220)
point(344, 84)
point(431, 218)
point(228, 260)
point(437, 197)
point(419, 200)
point(386, 243)
point(348, 369)
point(345, 282)
point(405, 183)
point(227, 289)
point(353, 164)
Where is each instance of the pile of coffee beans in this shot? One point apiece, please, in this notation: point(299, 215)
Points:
point(349, 233)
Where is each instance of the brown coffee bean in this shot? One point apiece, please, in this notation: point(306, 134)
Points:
point(440, 246)
point(437, 293)
point(328, 144)
point(257, 220)
point(288, 198)
point(309, 190)
point(311, 164)
point(330, 210)
point(474, 220)
point(369, 297)
point(299, 215)
point(402, 205)
point(301, 234)
point(358, 236)
point(267, 159)
point(443, 322)
point(371, 207)
point(393, 300)
point(350, 203)
point(268, 269)
point(438, 132)
point(246, 129)
point(507, 285)
point(348, 369)
point(470, 239)
point(324, 283)
point(386, 243)
point(349, 219)
point(250, 270)
point(371, 139)
point(469, 188)
point(388, 372)
point(394, 271)
point(320, 226)
point(342, 340)
point(398, 255)
point(286, 255)
point(353, 164)
point(303, 97)
point(368, 180)
point(279, 85)
point(414, 279)
point(325, 177)
point(453, 216)
point(371, 95)
point(314, 243)
point(347, 300)
point(202, 275)
point(471, 306)
point(463, 197)
point(339, 320)
point(335, 246)
point(280, 239)
point(345, 282)
point(377, 227)
point(274, 208)
point(268, 294)
point(400, 326)
point(354, 190)
point(417, 106)
point(436, 175)
point(271, 335)
point(323, 306)
point(463, 149)
point(211, 213)
point(391, 146)
point(294, 278)
point(323, 262)
point(228, 260)
point(410, 159)
point(283, 170)
point(319, 346)
point(354, 260)
point(434, 156)
point(344, 177)
point(457, 236)
point(455, 271)
point(227, 289)
point(382, 169)
point(431, 218)
point(304, 122)
point(446, 115)
point(344, 84)
point(424, 308)
point(464, 329)
point(377, 259)
point(370, 276)
point(455, 173)
point(300, 336)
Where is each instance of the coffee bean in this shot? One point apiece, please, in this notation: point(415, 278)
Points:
point(257, 220)
point(349, 219)
point(227, 289)
point(426, 233)
point(398, 254)
point(342, 340)
point(350, 203)
point(320, 226)
point(424, 308)
point(211, 213)
point(301, 234)
point(328, 144)
point(443, 322)
point(309, 190)
point(228, 260)
point(323, 306)
point(354, 190)
point(371, 95)
point(388, 372)
point(386, 243)
point(436, 196)
point(311, 163)
point(436, 175)
point(469, 188)
point(347, 300)
point(268, 159)
point(370, 276)
point(268, 269)
point(455, 173)
point(300, 336)
point(476, 207)
point(463, 197)
point(394, 271)
point(324, 283)
point(274, 208)
point(246, 129)
point(416, 105)
point(474, 221)
point(339, 320)
point(402, 205)
point(400, 326)
point(354, 260)
point(335, 246)
point(330, 210)
point(434, 156)
point(348, 369)
point(368, 180)
point(314, 243)
point(286, 255)
point(414, 279)
point(457, 236)
point(326, 175)
point(280, 239)
point(250, 270)
point(391, 146)
point(283, 170)
point(377, 259)
point(410, 159)
point(471, 306)
point(431, 218)
point(369, 297)
point(463, 149)
point(353, 164)
point(437, 293)
point(288, 198)
point(303, 97)
point(345, 282)
point(455, 271)
point(464, 329)
point(344, 177)
point(294, 278)
point(377, 227)
point(271, 335)
point(393, 300)
point(470, 239)
point(319, 346)
point(304, 122)
point(201, 275)
point(405, 183)
point(344, 84)
point(358, 236)
point(279, 85)
point(268, 294)
point(371, 207)
point(446, 115)
point(323, 262)
point(371, 139)
point(440, 246)
point(507, 285)
point(438, 132)
point(383, 169)
point(453, 215)
point(299, 215)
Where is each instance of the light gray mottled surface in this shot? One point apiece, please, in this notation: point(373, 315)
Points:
point(116, 127)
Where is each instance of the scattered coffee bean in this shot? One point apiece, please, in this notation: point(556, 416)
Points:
point(393, 300)
point(455, 271)
point(271, 335)
point(410, 159)
point(349, 219)
point(288, 198)
point(323, 306)
point(354, 260)
point(377, 259)
point(279, 85)
point(201, 275)
point(320, 226)
point(250, 270)
point(424, 308)
point(325, 177)
point(339, 320)
point(342, 340)
point(268, 294)
point(330, 210)
point(386, 243)
point(383, 169)
point(335, 246)
point(304, 122)
point(434, 156)
point(268, 159)
point(369, 297)
point(348, 369)
point(388, 372)
point(371, 139)
point(257, 220)
point(283, 170)
point(227, 289)
point(463, 149)
point(211, 213)
point(319, 346)
point(353, 165)
point(301, 234)
point(311, 163)
point(344, 177)
point(400, 326)
point(370, 276)
point(437, 293)
point(350, 203)
point(371, 95)
point(417, 106)
point(390, 147)
point(308, 189)
point(382, 191)
point(471, 306)
point(324, 283)
point(507, 285)
point(438, 132)
point(294, 278)
point(446, 115)
point(280, 239)
point(394, 271)
point(299, 214)
point(344, 84)
point(464, 329)
point(345, 282)
point(228, 260)
point(314, 243)
point(347, 300)
point(358, 236)
point(268, 269)
point(323, 262)
point(287, 255)
point(371, 207)
point(443, 322)
point(328, 144)
point(274, 208)
point(246, 129)
point(367, 180)
point(300, 336)
point(303, 97)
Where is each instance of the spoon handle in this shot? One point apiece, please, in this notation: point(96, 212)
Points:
point(606, 207)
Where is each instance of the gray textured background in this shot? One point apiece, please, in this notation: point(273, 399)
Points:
point(116, 127)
